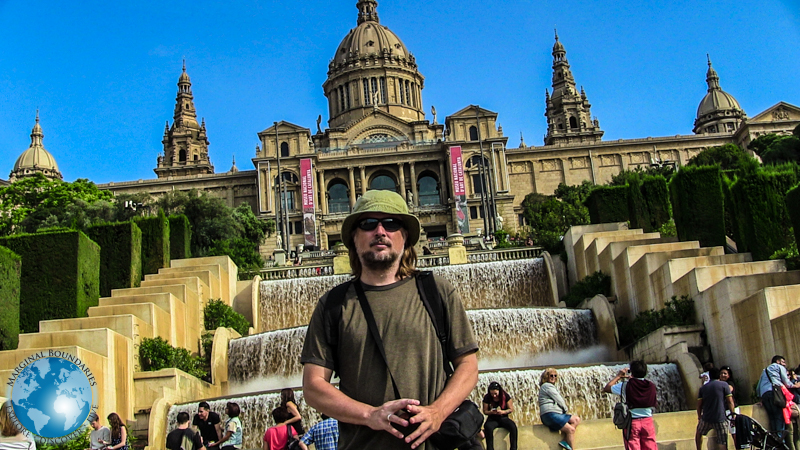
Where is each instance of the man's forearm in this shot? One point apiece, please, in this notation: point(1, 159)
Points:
point(325, 398)
point(459, 386)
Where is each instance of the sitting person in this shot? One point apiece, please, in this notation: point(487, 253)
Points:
point(277, 437)
point(11, 437)
point(553, 409)
point(497, 405)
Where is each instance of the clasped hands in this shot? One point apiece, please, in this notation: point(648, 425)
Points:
point(405, 413)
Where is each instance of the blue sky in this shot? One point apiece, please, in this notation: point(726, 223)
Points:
point(104, 74)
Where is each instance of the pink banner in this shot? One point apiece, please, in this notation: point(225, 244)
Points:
point(307, 188)
point(459, 191)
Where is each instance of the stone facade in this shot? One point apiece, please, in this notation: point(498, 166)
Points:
point(378, 137)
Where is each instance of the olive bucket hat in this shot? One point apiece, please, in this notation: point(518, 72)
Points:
point(386, 202)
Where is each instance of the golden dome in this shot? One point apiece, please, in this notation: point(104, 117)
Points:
point(35, 159)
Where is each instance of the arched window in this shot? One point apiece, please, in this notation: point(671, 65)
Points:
point(473, 133)
point(428, 191)
point(182, 155)
point(383, 183)
point(475, 161)
point(338, 202)
point(284, 149)
point(573, 122)
point(196, 157)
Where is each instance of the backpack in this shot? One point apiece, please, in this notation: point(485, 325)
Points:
point(291, 443)
point(622, 414)
point(428, 293)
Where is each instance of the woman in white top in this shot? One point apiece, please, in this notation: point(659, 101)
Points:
point(11, 437)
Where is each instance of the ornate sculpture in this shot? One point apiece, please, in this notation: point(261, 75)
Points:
point(319, 120)
point(433, 111)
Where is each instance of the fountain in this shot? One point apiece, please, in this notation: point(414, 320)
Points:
point(498, 284)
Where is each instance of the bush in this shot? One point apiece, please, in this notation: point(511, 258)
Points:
point(157, 354)
point(792, 201)
point(608, 204)
point(10, 271)
point(60, 277)
point(698, 205)
point(549, 219)
point(676, 312)
point(596, 283)
point(80, 442)
point(180, 237)
point(790, 255)
point(728, 157)
point(120, 255)
point(501, 238)
point(155, 242)
point(217, 314)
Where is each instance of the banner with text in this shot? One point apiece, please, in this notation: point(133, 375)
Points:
point(307, 187)
point(459, 191)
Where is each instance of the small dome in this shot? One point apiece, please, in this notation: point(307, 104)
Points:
point(717, 100)
point(36, 159)
point(369, 39)
point(184, 78)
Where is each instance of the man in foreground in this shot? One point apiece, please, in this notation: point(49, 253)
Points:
point(183, 438)
point(714, 397)
point(380, 235)
point(640, 396)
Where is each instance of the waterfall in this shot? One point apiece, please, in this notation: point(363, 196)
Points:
point(580, 386)
point(517, 333)
point(498, 284)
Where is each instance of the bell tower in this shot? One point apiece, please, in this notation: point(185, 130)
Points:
point(185, 143)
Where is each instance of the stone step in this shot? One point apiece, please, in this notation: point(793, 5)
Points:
point(127, 325)
point(10, 359)
point(223, 261)
point(701, 278)
point(199, 283)
point(219, 272)
point(182, 291)
point(98, 340)
point(149, 313)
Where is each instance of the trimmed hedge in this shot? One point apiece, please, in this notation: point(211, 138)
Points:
point(155, 242)
point(608, 204)
point(60, 276)
point(180, 237)
point(656, 199)
point(698, 206)
point(761, 212)
point(637, 209)
point(120, 255)
point(10, 267)
point(793, 208)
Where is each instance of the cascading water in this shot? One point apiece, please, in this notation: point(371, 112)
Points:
point(499, 284)
point(580, 386)
point(516, 333)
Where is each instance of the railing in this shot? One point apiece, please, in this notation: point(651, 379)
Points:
point(282, 273)
point(505, 254)
point(433, 261)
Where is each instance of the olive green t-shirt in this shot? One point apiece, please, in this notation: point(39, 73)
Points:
point(411, 345)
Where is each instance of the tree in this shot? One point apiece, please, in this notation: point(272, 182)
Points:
point(728, 157)
point(550, 218)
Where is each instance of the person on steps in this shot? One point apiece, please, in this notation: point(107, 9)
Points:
point(554, 410)
point(497, 405)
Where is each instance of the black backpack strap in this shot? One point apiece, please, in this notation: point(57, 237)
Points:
point(333, 316)
point(429, 294)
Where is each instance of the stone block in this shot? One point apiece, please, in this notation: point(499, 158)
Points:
point(653, 347)
point(247, 299)
point(194, 284)
point(127, 325)
point(614, 249)
point(206, 276)
point(458, 255)
point(671, 271)
point(701, 278)
point(184, 321)
point(574, 233)
point(225, 262)
point(150, 386)
point(149, 313)
point(598, 245)
point(581, 247)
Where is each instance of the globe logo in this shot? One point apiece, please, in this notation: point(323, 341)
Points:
point(52, 397)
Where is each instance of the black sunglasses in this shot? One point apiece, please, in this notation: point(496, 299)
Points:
point(389, 224)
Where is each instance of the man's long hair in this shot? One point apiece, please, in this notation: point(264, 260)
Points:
point(408, 261)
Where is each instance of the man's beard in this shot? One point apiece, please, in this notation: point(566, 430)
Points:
point(379, 261)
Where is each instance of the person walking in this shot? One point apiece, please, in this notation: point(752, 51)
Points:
point(640, 396)
point(99, 433)
point(497, 405)
point(773, 377)
point(183, 437)
point(207, 422)
point(324, 435)
point(405, 385)
point(714, 397)
point(553, 410)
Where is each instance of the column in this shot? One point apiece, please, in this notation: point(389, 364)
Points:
point(363, 179)
point(414, 183)
point(444, 182)
point(270, 190)
point(323, 193)
point(352, 189)
point(402, 177)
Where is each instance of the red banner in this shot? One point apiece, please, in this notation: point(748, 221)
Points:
point(459, 191)
point(307, 188)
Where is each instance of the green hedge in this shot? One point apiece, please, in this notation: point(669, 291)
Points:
point(120, 255)
point(656, 199)
point(10, 269)
point(637, 209)
point(761, 213)
point(793, 208)
point(180, 237)
point(60, 276)
point(698, 206)
point(155, 242)
point(608, 204)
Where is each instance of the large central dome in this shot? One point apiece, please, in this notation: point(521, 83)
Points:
point(372, 69)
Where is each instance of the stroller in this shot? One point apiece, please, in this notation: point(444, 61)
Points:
point(751, 435)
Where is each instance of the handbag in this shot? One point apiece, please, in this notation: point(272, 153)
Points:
point(462, 424)
point(291, 443)
point(622, 414)
point(778, 399)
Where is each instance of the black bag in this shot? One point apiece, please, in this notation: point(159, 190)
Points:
point(463, 423)
point(622, 414)
point(778, 399)
point(291, 443)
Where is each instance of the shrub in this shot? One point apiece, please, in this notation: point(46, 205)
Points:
point(217, 314)
point(180, 237)
point(608, 204)
point(596, 283)
point(80, 442)
point(120, 255)
point(793, 209)
point(60, 277)
point(501, 237)
point(698, 205)
point(155, 242)
point(156, 354)
point(790, 255)
point(676, 312)
point(10, 270)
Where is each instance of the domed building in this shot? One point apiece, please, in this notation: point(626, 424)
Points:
point(718, 112)
point(35, 159)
